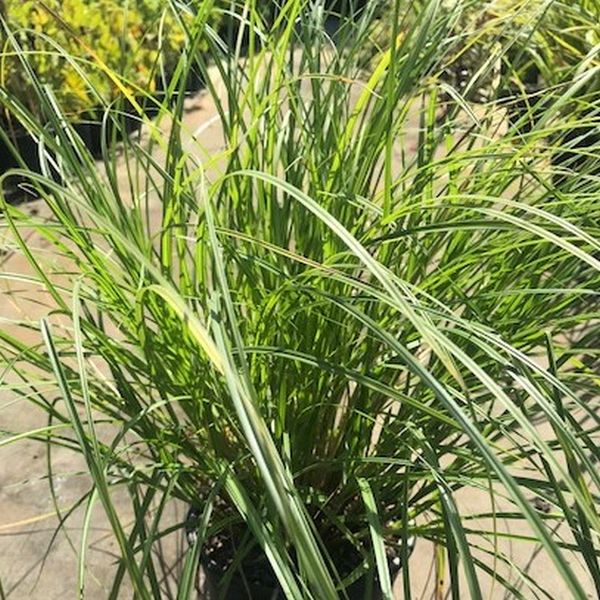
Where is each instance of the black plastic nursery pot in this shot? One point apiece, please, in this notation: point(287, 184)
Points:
point(21, 144)
point(223, 575)
point(254, 579)
point(524, 106)
point(24, 146)
point(17, 142)
point(92, 131)
point(579, 147)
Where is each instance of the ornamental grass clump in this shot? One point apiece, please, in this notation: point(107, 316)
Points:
point(327, 337)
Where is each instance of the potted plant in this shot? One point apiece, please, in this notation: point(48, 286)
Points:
point(316, 338)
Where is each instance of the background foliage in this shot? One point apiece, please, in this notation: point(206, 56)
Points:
point(78, 47)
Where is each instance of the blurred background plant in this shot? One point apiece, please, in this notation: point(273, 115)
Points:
point(520, 51)
point(79, 47)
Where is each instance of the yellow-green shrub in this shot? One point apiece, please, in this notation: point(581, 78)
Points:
point(81, 48)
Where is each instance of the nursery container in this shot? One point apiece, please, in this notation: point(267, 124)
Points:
point(90, 130)
point(258, 581)
point(576, 147)
point(254, 578)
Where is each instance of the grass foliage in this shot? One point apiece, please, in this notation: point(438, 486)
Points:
point(321, 335)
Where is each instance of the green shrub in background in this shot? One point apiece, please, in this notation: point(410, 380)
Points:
point(531, 42)
point(88, 50)
point(525, 55)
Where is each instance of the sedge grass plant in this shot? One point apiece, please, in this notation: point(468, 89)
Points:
point(328, 334)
